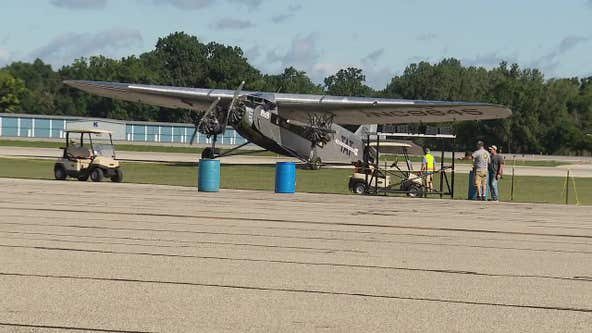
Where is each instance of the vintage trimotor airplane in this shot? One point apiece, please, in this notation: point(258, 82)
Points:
point(298, 125)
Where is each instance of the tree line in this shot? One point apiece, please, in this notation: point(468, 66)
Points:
point(552, 116)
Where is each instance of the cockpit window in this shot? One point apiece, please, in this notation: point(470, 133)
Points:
point(254, 101)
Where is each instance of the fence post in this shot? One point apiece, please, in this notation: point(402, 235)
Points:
point(567, 188)
point(512, 188)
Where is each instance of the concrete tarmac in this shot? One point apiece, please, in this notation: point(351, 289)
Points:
point(106, 257)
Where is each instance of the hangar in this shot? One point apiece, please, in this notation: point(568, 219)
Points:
point(52, 127)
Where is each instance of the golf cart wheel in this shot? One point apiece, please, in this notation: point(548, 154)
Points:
point(96, 175)
point(59, 172)
point(315, 163)
point(359, 187)
point(415, 191)
point(118, 177)
point(83, 177)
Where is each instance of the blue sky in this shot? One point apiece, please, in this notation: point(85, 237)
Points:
point(319, 37)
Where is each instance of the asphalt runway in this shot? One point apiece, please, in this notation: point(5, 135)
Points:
point(577, 169)
point(107, 257)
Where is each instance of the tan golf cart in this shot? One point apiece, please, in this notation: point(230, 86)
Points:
point(370, 178)
point(88, 153)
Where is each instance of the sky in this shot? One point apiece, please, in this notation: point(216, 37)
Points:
point(320, 37)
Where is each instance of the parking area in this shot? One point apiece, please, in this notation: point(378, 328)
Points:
point(146, 258)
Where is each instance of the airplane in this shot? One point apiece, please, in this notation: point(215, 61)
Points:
point(307, 127)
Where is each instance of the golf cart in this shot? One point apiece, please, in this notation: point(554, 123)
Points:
point(364, 178)
point(88, 153)
point(369, 178)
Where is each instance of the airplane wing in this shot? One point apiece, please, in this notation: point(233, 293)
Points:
point(345, 110)
point(169, 97)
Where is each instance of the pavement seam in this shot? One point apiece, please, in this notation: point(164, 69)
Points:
point(304, 291)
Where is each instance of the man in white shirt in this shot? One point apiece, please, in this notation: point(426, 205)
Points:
point(481, 160)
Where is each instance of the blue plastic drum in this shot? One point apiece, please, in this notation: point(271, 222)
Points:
point(208, 179)
point(285, 177)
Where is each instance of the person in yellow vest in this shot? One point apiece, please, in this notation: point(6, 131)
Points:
point(428, 166)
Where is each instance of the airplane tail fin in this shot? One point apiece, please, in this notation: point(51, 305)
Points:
point(363, 130)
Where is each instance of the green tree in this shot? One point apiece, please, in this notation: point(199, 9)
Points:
point(347, 82)
point(41, 82)
point(226, 67)
point(292, 81)
point(11, 92)
point(181, 60)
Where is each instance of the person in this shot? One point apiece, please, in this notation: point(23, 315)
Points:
point(496, 169)
point(480, 169)
point(428, 166)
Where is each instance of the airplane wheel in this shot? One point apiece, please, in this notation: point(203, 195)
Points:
point(209, 153)
point(59, 172)
point(359, 188)
point(315, 163)
point(96, 175)
point(415, 191)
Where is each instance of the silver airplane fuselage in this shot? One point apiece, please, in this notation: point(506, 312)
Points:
point(263, 126)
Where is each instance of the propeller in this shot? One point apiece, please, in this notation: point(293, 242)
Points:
point(231, 108)
point(207, 121)
point(319, 129)
point(210, 124)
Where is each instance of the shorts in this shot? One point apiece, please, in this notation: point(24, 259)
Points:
point(481, 178)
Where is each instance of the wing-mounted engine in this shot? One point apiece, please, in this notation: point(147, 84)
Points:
point(214, 120)
point(318, 129)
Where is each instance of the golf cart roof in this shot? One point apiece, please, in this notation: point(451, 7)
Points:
point(398, 147)
point(88, 130)
point(391, 144)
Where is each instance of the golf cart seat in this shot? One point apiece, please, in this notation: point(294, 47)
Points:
point(79, 152)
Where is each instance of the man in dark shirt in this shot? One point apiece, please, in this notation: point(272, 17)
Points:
point(496, 169)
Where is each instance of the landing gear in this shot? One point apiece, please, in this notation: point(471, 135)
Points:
point(209, 153)
point(315, 163)
point(415, 191)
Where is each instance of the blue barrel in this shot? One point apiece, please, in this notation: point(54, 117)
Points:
point(208, 179)
point(473, 188)
point(285, 177)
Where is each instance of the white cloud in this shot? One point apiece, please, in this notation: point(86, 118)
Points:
point(427, 37)
point(491, 59)
point(200, 4)
point(373, 56)
point(253, 53)
point(282, 17)
point(304, 54)
point(231, 24)
point(185, 4)
point(80, 4)
point(64, 48)
point(5, 57)
point(251, 4)
point(549, 62)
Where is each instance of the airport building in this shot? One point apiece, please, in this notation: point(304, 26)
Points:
point(53, 127)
